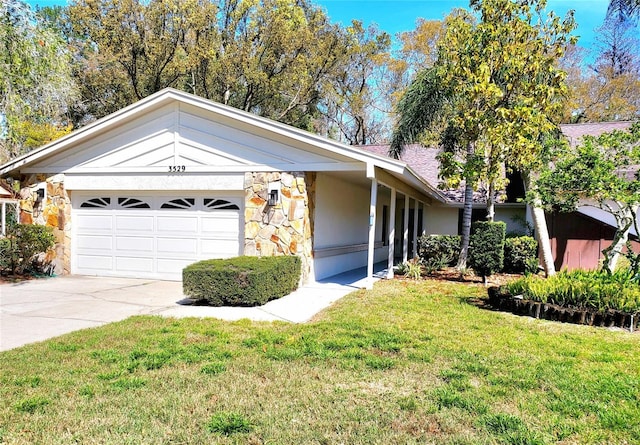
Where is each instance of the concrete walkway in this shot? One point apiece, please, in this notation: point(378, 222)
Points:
point(36, 310)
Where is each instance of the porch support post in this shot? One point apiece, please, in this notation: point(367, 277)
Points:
point(392, 233)
point(415, 227)
point(3, 217)
point(372, 232)
point(405, 234)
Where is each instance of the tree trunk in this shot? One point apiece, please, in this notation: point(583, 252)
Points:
point(466, 226)
point(625, 220)
point(491, 203)
point(540, 226)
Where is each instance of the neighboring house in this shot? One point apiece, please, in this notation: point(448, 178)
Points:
point(578, 238)
point(175, 178)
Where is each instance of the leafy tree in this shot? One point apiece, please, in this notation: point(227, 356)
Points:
point(35, 80)
point(601, 172)
point(609, 89)
point(492, 98)
point(275, 58)
point(351, 96)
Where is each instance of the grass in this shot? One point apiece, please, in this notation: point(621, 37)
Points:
point(409, 362)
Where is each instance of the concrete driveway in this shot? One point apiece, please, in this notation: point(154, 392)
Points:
point(36, 310)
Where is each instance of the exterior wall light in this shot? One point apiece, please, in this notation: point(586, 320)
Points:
point(273, 197)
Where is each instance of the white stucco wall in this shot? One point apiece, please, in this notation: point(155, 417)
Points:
point(507, 215)
point(441, 220)
point(341, 219)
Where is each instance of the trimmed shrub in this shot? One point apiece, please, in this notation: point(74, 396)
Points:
point(521, 255)
point(486, 247)
point(441, 249)
point(241, 281)
point(21, 248)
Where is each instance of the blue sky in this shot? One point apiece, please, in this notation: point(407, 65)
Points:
point(394, 16)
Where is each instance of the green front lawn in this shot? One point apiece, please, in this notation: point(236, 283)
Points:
point(409, 362)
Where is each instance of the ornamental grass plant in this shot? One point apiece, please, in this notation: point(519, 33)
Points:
point(598, 290)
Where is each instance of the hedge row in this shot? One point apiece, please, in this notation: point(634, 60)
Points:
point(520, 253)
point(241, 281)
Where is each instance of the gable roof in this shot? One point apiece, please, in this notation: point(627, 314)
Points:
point(247, 124)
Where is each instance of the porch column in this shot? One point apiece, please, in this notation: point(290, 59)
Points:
point(3, 217)
point(372, 232)
point(415, 228)
point(392, 233)
point(405, 235)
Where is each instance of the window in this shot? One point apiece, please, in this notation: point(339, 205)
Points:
point(179, 203)
point(219, 204)
point(96, 203)
point(132, 203)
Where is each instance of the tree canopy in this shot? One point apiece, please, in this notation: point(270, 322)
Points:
point(492, 96)
point(36, 83)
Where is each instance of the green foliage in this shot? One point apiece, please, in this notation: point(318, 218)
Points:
point(521, 255)
point(442, 248)
point(487, 247)
point(411, 269)
point(23, 244)
point(229, 423)
point(36, 84)
point(604, 171)
point(242, 281)
point(597, 290)
point(281, 59)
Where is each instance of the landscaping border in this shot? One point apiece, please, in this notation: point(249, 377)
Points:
point(546, 311)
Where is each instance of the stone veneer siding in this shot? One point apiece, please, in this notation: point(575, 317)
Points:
point(283, 229)
point(54, 211)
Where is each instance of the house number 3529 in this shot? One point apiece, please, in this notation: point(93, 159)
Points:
point(177, 168)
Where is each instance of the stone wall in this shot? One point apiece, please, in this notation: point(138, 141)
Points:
point(285, 228)
point(54, 211)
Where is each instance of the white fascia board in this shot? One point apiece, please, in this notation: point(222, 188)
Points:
point(317, 167)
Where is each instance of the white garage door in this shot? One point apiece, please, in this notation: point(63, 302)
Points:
point(128, 235)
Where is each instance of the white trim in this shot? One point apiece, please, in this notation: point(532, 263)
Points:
point(317, 167)
point(405, 231)
point(221, 182)
point(372, 232)
point(415, 228)
point(392, 233)
point(327, 252)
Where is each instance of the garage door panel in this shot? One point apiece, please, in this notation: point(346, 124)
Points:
point(172, 224)
point(123, 238)
point(93, 242)
point(134, 223)
point(94, 222)
point(224, 223)
point(219, 248)
point(173, 266)
point(134, 264)
point(177, 246)
point(135, 244)
point(95, 262)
